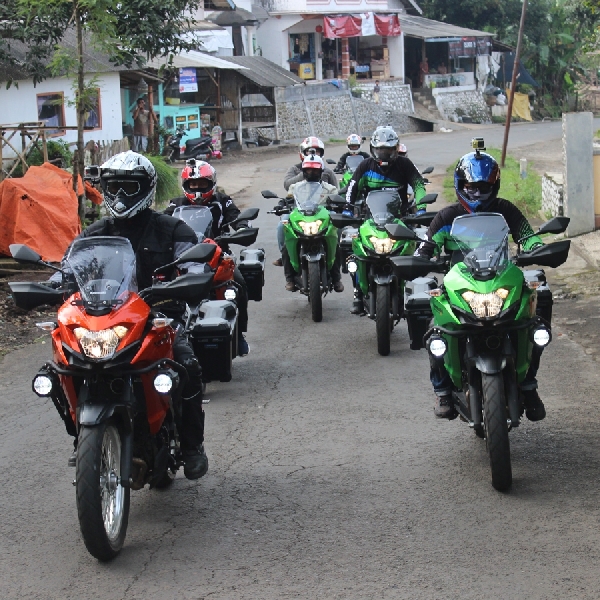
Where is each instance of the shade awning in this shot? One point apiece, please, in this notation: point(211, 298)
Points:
point(239, 16)
point(345, 26)
point(429, 30)
point(263, 72)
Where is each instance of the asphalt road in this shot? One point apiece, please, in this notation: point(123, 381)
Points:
point(329, 476)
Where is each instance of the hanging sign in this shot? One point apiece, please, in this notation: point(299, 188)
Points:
point(187, 80)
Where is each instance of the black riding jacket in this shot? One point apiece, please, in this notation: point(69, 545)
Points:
point(222, 207)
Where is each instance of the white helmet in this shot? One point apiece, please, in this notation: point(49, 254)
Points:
point(384, 145)
point(128, 182)
point(353, 142)
point(311, 143)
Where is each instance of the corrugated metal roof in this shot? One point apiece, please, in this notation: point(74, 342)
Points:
point(194, 59)
point(422, 28)
point(263, 72)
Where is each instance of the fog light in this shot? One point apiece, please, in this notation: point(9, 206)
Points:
point(437, 347)
point(163, 383)
point(230, 294)
point(541, 337)
point(352, 266)
point(42, 385)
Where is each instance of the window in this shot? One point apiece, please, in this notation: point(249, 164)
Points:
point(93, 114)
point(51, 111)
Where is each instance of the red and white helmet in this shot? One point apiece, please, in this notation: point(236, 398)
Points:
point(353, 142)
point(312, 167)
point(199, 181)
point(402, 150)
point(313, 144)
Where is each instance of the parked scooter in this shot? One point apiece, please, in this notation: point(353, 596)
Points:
point(113, 378)
point(182, 146)
point(487, 317)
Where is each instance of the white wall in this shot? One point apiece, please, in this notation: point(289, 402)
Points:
point(272, 38)
point(331, 6)
point(19, 105)
point(396, 51)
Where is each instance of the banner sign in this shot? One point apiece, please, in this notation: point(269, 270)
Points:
point(187, 80)
point(346, 26)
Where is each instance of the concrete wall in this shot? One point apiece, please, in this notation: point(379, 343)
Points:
point(552, 194)
point(394, 95)
point(579, 183)
point(19, 105)
point(462, 101)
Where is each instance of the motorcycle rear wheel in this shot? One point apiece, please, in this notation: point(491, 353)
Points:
point(383, 319)
point(314, 291)
point(496, 430)
point(102, 502)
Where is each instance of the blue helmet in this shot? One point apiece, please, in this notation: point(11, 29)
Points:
point(481, 169)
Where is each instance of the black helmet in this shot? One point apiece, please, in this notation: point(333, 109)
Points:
point(476, 181)
point(128, 182)
point(384, 145)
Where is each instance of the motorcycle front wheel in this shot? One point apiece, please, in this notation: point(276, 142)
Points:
point(102, 502)
point(383, 319)
point(314, 291)
point(496, 430)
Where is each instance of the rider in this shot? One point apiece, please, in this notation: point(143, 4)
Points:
point(477, 182)
point(309, 145)
point(200, 188)
point(385, 170)
point(312, 171)
point(353, 142)
point(128, 182)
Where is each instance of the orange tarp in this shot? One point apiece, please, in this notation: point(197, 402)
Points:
point(40, 210)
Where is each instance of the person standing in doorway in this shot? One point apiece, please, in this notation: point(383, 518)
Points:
point(423, 70)
point(141, 120)
point(376, 90)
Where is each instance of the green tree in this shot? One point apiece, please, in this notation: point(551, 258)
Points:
point(129, 32)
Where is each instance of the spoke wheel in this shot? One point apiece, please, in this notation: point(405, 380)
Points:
point(314, 291)
point(496, 430)
point(102, 502)
point(383, 319)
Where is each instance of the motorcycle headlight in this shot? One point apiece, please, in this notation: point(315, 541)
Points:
point(486, 305)
point(382, 245)
point(310, 228)
point(352, 266)
point(99, 344)
point(541, 337)
point(229, 294)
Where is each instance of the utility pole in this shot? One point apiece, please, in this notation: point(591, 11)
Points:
point(513, 83)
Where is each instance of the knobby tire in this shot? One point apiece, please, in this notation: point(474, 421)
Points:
point(383, 320)
point(314, 291)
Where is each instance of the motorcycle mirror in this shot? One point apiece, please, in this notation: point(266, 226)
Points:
point(411, 267)
point(555, 225)
point(246, 215)
point(243, 237)
point(24, 254)
point(428, 199)
point(400, 232)
point(331, 161)
point(550, 255)
point(198, 253)
point(423, 219)
point(268, 194)
point(341, 221)
point(427, 170)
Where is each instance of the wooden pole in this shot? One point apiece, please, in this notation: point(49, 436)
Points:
point(513, 83)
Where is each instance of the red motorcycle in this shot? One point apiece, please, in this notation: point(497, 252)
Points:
point(112, 378)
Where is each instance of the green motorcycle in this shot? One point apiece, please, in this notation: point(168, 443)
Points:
point(311, 241)
point(370, 263)
point(486, 323)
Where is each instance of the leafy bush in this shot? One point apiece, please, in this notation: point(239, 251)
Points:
point(526, 193)
point(167, 185)
point(57, 149)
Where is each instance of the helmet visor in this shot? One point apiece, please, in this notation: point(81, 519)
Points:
point(385, 154)
point(354, 147)
point(318, 151)
point(128, 187)
point(197, 185)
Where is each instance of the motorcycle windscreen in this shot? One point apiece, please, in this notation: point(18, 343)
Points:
point(483, 241)
point(307, 195)
point(199, 218)
point(384, 206)
point(353, 161)
point(104, 268)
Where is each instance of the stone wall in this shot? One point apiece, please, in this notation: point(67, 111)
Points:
point(552, 194)
point(334, 117)
point(455, 105)
point(393, 94)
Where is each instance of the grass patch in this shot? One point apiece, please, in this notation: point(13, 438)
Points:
point(336, 141)
point(526, 193)
point(167, 185)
